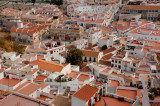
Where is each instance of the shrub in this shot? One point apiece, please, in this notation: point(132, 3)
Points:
point(151, 96)
point(124, 19)
point(156, 92)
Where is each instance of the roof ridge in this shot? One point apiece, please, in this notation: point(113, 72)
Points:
point(50, 62)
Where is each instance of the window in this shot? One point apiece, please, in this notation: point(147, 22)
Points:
point(94, 60)
point(90, 59)
point(112, 65)
point(85, 59)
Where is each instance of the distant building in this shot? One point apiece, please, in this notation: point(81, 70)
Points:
point(66, 32)
point(27, 33)
point(147, 11)
point(80, 44)
point(48, 48)
point(91, 56)
point(90, 16)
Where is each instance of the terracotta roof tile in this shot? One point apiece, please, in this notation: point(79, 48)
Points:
point(83, 77)
point(86, 92)
point(143, 7)
point(11, 82)
point(27, 90)
point(127, 93)
point(49, 66)
point(109, 50)
point(89, 53)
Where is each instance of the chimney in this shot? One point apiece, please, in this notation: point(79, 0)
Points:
point(20, 24)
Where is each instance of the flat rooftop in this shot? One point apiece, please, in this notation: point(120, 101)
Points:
point(9, 82)
point(18, 100)
point(127, 93)
point(111, 102)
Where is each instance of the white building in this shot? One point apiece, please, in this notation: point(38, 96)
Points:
point(27, 33)
point(92, 34)
point(53, 48)
point(91, 56)
point(149, 31)
point(107, 40)
point(10, 56)
point(80, 44)
point(90, 16)
point(51, 67)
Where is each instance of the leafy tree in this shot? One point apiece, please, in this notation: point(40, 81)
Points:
point(33, 1)
point(57, 2)
point(124, 19)
point(133, 18)
point(17, 48)
point(104, 47)
point(2, 42)
point(74, 56)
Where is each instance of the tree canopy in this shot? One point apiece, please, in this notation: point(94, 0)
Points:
point(57, 2)
point(104, 47)
point(74, 56)
point(33, 1)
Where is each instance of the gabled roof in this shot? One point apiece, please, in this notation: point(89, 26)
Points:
point(29, 28)
point(49, 66)
point(30, 88)
point(107, 56)
point(90, 53)
point(143, 7)
point(86, 92)
point(109, 50)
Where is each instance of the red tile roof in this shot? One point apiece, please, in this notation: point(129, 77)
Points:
point(143, 7)
point(86, 92)
point(114, 83)
point(85, 69)
point(109, 50)
point(89, 53)
point(30, 29)
point(22, 85)
point(73, 74)
point(107, 56)
point(112, 102)
point(11, 82)
point(83, 77)
point(127, 93)
point(27, 90)
point(49, 66)
point(32, 72)
point(40, 78)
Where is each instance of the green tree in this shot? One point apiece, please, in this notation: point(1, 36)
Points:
point(104, 47)
point(57, 2)
point(33, 1)
point(17, 48)
point(124, 19)
point(2, 42)
point(74, 56)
